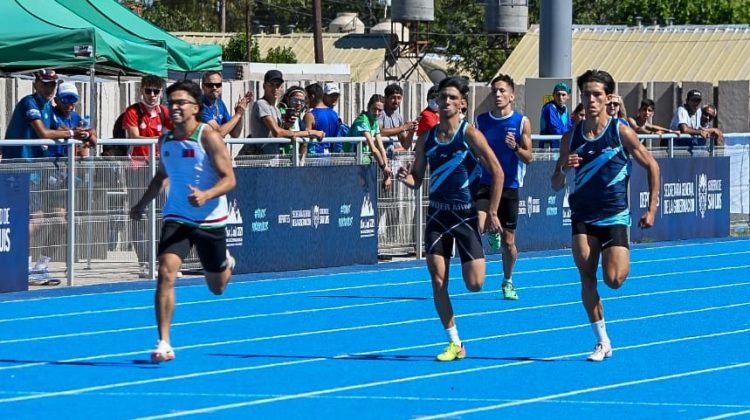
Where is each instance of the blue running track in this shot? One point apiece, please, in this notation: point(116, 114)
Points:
point(359, 343)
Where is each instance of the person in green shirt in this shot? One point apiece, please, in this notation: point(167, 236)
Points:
point(366, 125)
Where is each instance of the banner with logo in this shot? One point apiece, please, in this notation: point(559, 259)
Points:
point(543, 214)
point(14, 232)
point(303, 217)
point(693, 202)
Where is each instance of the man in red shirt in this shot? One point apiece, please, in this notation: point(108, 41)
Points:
point(146, 119)
point(429, 116)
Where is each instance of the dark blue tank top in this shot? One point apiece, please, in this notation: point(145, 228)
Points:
point(454, 170)
point(601, 181)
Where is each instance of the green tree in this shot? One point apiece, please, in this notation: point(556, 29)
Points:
point(281, 55)
point(236, 49)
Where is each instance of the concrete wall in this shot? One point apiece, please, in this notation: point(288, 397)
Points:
point(731, 97)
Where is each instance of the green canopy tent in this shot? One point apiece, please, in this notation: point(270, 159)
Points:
point(38, 34)
point(120, 21)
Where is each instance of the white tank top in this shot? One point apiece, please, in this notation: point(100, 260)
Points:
point(187, 163)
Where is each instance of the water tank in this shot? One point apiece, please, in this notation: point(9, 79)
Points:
point(501, 16)
point(412, 10)
point(346, 22)
point(384, 27)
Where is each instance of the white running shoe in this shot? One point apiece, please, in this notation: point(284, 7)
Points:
point(601, 352)
point(41, 264)
point(162, 353)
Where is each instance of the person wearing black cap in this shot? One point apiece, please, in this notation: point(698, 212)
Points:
point(33, 118)
point(555, 116)
point(266, 118)
point(687, 120)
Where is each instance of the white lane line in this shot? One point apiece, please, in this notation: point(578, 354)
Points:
point(457, 413)
point(728, 415)
point(356, 287)
point(700, 245)
point(346, 356)
point(284, 313)
point(316, 393)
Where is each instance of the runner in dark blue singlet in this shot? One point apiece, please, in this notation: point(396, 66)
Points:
point(454, 150)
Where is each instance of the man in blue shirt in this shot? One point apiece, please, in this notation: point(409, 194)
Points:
point(215, 113)
point(33, 119)
point(555, 115)
point(65, 116)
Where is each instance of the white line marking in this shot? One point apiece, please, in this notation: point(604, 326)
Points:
point(728, 415)
point(437, 375)
point(587, 390)
point(700, 245)
point(233, 370)
point(283, 313)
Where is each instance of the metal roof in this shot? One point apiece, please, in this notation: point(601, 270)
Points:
point(639, 54)
point(365, 53)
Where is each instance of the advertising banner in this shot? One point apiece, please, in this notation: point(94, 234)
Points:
point(303, 217)
point(693, 202)
point(14, 232)
point(543, 214)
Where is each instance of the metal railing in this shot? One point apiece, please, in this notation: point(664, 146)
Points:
point(103, 242)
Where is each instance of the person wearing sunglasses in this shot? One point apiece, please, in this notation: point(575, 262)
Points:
point(147, 119)
point(215, 112)
point(66, 117)
point(33, 119)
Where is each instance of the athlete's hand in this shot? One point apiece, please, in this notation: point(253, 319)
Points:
point(136, 213)
point(197, 198)
point(492, 224)
point(574, 161)
point(510, 141)
point(647, 220)
point(403, 175)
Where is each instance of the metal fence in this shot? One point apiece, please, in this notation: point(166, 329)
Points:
point(107, 243)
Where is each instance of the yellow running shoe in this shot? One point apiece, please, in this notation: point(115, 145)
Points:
point(452, 352)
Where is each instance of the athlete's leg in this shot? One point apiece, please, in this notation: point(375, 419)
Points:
point(438, 266)
point(510, 253)
point(169, 265)
point(615, 265)
point(217, 282)
point(474, 272)
point(586, 256)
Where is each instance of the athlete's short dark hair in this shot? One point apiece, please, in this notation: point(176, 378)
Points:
point(504, 78)
point(152, 81)
point(647, 103)
point(192, 89)
point(599, 76)
point(457, 82)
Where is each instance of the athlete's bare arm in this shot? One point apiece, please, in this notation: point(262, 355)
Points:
point(565, 161)
point(478, 144)
point(154, 188)
point(413, 175)
point(217, 152)
point(644, 158)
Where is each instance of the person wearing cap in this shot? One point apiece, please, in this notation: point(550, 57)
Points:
point(323, 116)
point(555, 117)
point(33, 118)
point(429, 116)
point(215, 113)
point(391, 121)
point(687, 120)
point(266, 118)
point(66, 117)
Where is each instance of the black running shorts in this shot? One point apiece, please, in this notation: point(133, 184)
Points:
point(210, 244)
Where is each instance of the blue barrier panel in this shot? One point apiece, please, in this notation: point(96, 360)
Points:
point(304, 217)
point(693, 203)
point(14, 232)
point(543, 214)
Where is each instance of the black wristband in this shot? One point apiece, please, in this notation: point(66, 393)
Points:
point(515, 149)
